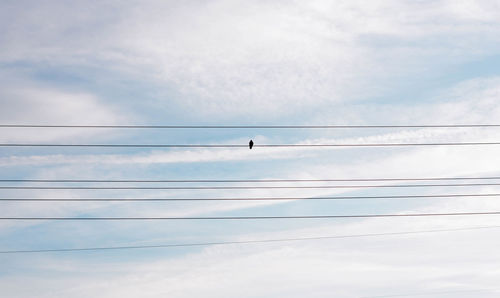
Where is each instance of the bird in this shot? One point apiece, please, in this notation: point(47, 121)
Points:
point(250, 144)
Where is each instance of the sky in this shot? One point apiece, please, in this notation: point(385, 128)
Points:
point(250, 63)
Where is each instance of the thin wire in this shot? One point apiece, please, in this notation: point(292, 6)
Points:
point(244, 242)
point(246, 146)
point(245, 180)
point(246, 126)
point(245, 199)
point(244, 187)
point(253, 217)
point(433, 293)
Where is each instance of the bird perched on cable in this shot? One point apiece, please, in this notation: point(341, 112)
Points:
point(250, 144)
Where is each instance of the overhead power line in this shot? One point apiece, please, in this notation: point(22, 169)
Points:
point(245, 187)
point(241, 180)
point(251, 217)
point(249, 126)
point(246, 146)
point(434, 294)
point(246, 199)
point(242, 242)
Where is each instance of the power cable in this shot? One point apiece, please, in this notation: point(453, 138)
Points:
point(242, 180)
point(251, 217)
point(246, 146)
point(242, 242)
point(243, 187)
point(245, 199)
point(434, 293)
point(249, 126)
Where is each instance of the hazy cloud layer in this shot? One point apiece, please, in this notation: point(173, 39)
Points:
point(259, 62)
point(226, 57)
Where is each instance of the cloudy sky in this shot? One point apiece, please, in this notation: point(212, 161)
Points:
point(250, 63)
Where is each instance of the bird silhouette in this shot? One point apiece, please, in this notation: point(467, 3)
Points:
point(250, 144)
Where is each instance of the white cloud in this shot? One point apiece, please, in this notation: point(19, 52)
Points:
point(252, 60)
point(26, 103)
point(420, 263)
point(225, 155)
point(472, 101)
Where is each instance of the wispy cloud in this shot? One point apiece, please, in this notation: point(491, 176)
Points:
point(262, 57)
point(24, 102)
point(237, 62)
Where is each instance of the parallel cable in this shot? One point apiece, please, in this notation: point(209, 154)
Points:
point(243, 187)
point(241, 180)
point(251, 217)
point(246, 146)
point(246, 199)
point(242, 242)
point(249, 126)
